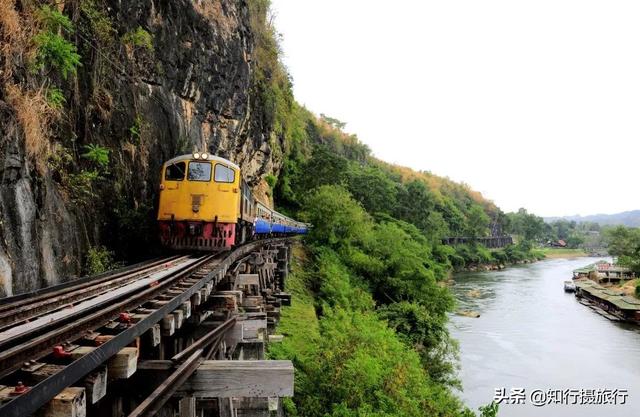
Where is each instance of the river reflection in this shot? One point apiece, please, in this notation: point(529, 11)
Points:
point(533, 335)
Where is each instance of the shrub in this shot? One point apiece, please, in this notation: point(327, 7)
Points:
point(97, 154)
point(135, 131)
point(56, 52)
point(99, 260)
point(53, 20)
point(81, 186)
point(271, 180)
point(138, 38)
point(100, 23)
point(338, 220)
point(55, 98)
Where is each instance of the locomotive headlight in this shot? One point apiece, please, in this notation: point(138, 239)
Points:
point(196, 155)
point(205, 155)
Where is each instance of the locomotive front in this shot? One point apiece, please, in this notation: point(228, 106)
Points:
point(199, 203)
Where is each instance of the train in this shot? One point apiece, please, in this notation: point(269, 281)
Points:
point(206, 204)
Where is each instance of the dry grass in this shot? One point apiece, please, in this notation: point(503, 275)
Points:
point(9, 20)
point(11, 36)
point(33, 114)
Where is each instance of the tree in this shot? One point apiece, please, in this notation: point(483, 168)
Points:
point(337, 218)
point(324, 167)
point(477, 222)
point(414, 203)
point(624, 242)
point(372, 188)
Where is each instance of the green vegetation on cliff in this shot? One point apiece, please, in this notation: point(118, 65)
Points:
point(367, 329)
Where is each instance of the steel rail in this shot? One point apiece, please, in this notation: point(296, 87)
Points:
point(205, 340)
point(41, 393)
point(39, 344)
point(15, 314)
point(18, 300)
point(154, 402)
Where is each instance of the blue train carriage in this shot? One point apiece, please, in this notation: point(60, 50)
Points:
point(263, 219)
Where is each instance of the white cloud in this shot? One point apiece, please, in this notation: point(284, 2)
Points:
point(535, 104)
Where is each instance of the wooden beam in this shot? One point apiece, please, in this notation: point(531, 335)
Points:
point(251, 329)
point(96, 384)
point(71, 402)
point(121, 366)
point(225, 379)
point(246, 279)
point(187, 407)
point(168, 325)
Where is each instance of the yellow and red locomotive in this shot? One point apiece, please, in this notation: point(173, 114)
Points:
point(206, 204)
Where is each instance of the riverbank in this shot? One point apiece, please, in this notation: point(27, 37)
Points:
point(537, 254)
point(563, 253)
point(495, 267)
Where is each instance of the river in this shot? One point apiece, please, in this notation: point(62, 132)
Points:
point(532, 335)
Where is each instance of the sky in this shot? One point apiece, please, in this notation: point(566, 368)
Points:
point(535, 104)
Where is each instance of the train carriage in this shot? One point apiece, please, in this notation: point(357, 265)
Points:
point(206, 204)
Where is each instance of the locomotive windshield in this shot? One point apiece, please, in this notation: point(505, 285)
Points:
point(224, 174)
point(175, 172)
point(199, 171)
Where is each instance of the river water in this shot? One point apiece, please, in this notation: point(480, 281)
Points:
point(532, 335)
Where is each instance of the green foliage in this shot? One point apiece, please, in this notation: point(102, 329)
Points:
point(98, 155)
point(529, 226)
point(99, 259)
point(477, 222)
point(99, 21)
point(367, 329)
point(135, 130)
point(55, 98)
point(624, 243)
point(489, 410)
point(637, 290)
point(337, 219)
point(348, 362)
point(53, 20)
point(53, 51)
point(476, 254)
point(81, 186)
point(271, 84)
point(271, 180)
point(138, 38)
point(372, 188)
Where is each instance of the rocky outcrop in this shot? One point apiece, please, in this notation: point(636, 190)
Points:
point(191, 88)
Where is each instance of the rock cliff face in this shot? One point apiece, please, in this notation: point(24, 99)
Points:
point(158, 78)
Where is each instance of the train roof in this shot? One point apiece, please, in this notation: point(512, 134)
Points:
point(189, 157)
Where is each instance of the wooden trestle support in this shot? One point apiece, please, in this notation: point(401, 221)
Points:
point(205, 358)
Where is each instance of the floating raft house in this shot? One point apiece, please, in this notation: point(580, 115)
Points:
point(613, 302)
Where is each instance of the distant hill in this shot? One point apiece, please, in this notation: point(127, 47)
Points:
point(626, 218)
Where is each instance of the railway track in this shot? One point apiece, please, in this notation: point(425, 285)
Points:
point(20, 309)
point(38, 328)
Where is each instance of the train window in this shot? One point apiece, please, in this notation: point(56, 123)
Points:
point(224, 174)
point(199, 171)
point(175, 172)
